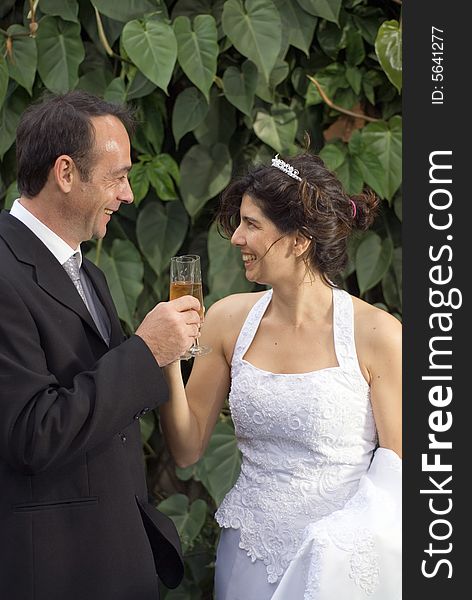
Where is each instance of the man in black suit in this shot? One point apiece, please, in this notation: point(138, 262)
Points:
point(74, 519)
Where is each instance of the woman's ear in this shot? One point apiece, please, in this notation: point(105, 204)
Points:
point(300, 244)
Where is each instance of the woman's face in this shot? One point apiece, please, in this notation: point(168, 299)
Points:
point(266, 252)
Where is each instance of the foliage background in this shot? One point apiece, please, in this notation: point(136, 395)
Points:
point(218, 85)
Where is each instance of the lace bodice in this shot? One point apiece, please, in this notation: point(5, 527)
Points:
point(306, 440)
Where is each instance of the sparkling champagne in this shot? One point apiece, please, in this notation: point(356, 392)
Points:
point(186, 288)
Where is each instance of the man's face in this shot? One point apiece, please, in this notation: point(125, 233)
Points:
point(96, 200)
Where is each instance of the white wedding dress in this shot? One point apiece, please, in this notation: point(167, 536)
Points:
point(311, 516)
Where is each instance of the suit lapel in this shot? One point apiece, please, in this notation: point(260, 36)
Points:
point(50, 275)
point(99, 282)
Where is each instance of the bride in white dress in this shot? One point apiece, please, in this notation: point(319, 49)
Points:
point(314, 382)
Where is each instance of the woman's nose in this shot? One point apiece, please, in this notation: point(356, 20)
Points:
point(237, 239)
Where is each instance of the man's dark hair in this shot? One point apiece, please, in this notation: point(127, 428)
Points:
point(56, 125)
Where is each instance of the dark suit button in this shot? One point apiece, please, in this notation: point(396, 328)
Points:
point(123, 437)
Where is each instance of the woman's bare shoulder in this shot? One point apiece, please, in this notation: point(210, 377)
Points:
point(233, 308)
point(375, 327)
point(226, 317)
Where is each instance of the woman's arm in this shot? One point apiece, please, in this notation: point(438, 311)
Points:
point(384, 364)
point(188, 418)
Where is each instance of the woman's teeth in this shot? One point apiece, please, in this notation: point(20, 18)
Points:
point(108, 211)
point(248, 258)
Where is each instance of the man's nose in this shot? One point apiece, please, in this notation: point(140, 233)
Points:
point(126, 193)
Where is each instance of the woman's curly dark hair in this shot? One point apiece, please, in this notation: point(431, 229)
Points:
point(317, 207)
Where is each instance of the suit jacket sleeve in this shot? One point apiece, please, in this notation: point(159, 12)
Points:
point(45, 425)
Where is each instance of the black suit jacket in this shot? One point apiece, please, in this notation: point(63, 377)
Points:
point(74, 519)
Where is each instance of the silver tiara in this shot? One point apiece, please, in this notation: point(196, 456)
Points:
point(280, 164)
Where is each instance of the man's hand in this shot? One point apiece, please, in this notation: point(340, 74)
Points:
point(170, 328)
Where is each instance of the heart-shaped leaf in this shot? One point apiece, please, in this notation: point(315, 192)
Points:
point(299, 24)
point(197, 50)
point(23, 60)
point(388, 47)
point(333, 155)
point(188, 520)
point(161, 231)
point(221, 463)
point(125, 11)
point(139, 181)
point(255, 30)
point(204, 172)
point(115, 91)
point(162, 171)
point(373, 258)
point(326, 9)
point(219, 123)
point(152, 46)
point(13, 106)
point(190, 109)
point(68, 10)
point(226, 274)
point(124, 270)
point(385, 141)
point(60, 52)
point(3, 80)
point(278, 128)
point(240, 86)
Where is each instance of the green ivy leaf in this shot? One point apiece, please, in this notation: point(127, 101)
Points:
point(162, 171)
point(190, 109)
point(388, 47)
point(221, 463)
point(13, 106)
point(220, 122)
point(255, 30)
point(299, 24)
point(124, 271)
point(23, 61)
point(240, 86)
point(278, 128)
point(385, 140)
point(188, 520)
point(3, 80)
point(350, 175)
point(139, 85)
point(60, 52)
point(278, 74)
point(326, 9)
point(139, 181)
point(95, 82)
point(152, 46)
point(197, 50)
point(354, 78)
point(204, 172)
point(331, 38)
point(373, 258)
point(66, 9)
point(161, 230)
point(125, 11)
point(11, 195)
point(355, 51)
point(332, 78)
point(333, 155)
point(226, 273)
point(116, 91)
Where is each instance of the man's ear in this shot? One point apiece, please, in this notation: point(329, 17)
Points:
point(64, 171)
point(300, 244)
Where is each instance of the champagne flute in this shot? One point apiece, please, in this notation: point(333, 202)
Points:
point(186, 278)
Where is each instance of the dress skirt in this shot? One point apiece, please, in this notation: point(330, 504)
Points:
point(237, 577)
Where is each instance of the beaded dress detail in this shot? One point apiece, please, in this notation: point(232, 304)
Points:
point(306, 440)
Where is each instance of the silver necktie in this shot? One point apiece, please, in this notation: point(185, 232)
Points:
point(71, 267)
